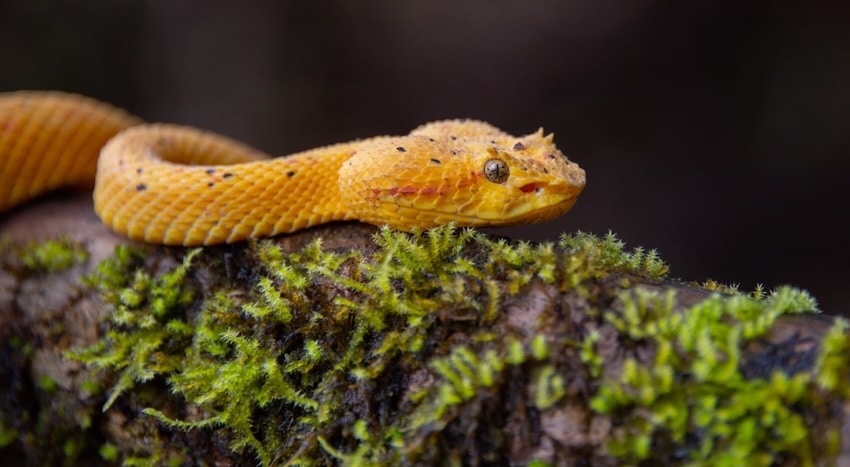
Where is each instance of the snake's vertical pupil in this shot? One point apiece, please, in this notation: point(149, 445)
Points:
point(496, 170)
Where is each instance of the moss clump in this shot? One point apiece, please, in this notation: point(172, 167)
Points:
point(52, 255)
point(386, 355)
point(596, 258)
point(695, 382)
point(277, 369)
point(7, 435)
point(149, 321)
point(109, 452)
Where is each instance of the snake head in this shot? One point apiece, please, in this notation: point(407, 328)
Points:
point(466, 172)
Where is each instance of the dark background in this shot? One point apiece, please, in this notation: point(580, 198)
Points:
point(716, 132)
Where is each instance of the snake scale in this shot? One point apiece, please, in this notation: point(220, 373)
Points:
point(176, 185)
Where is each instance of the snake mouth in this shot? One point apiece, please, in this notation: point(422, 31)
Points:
point(530, 209)
point(540, 201)
point(552, 205)
point(534, 202)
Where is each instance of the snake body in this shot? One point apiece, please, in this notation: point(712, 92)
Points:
point(177, 185)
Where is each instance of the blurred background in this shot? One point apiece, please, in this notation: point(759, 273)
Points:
point(716, 132)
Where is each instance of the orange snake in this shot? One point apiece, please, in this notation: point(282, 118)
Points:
point(177, 185)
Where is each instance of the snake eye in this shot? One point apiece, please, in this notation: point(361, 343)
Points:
point(496, 170)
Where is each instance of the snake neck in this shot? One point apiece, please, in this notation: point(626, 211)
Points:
point(306, 189)
point(179, 186)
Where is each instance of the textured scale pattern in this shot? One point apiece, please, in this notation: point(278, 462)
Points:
point(177, 185)
point(50, 140)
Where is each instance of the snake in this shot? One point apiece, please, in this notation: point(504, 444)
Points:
point(171, 184)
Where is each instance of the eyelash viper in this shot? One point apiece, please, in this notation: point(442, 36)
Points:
point(177, 185)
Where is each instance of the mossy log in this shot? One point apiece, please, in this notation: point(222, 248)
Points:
point(352, 345)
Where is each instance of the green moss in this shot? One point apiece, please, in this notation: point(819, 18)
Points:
point(113, 274)
point(549, 387)
point(47, 384)
point(149, 321)
point(71, 448)
point(588, 354)
point(463, 374)
point(158, 454)
point(695, 382)
point(595, 257)
point(833, 366)
point(109, 452)
point(7, 435)
point(91, 386)
point(283, 369)
point(52, 255)
point(228, 358)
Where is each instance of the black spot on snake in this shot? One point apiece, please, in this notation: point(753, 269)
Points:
point(436, 161)
point(227, 175)
point(210, 184)
point(140, 170)
point(210, 171)
point(519, 146)
point(401, 149)
point(290, 174)
point(141, 187)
